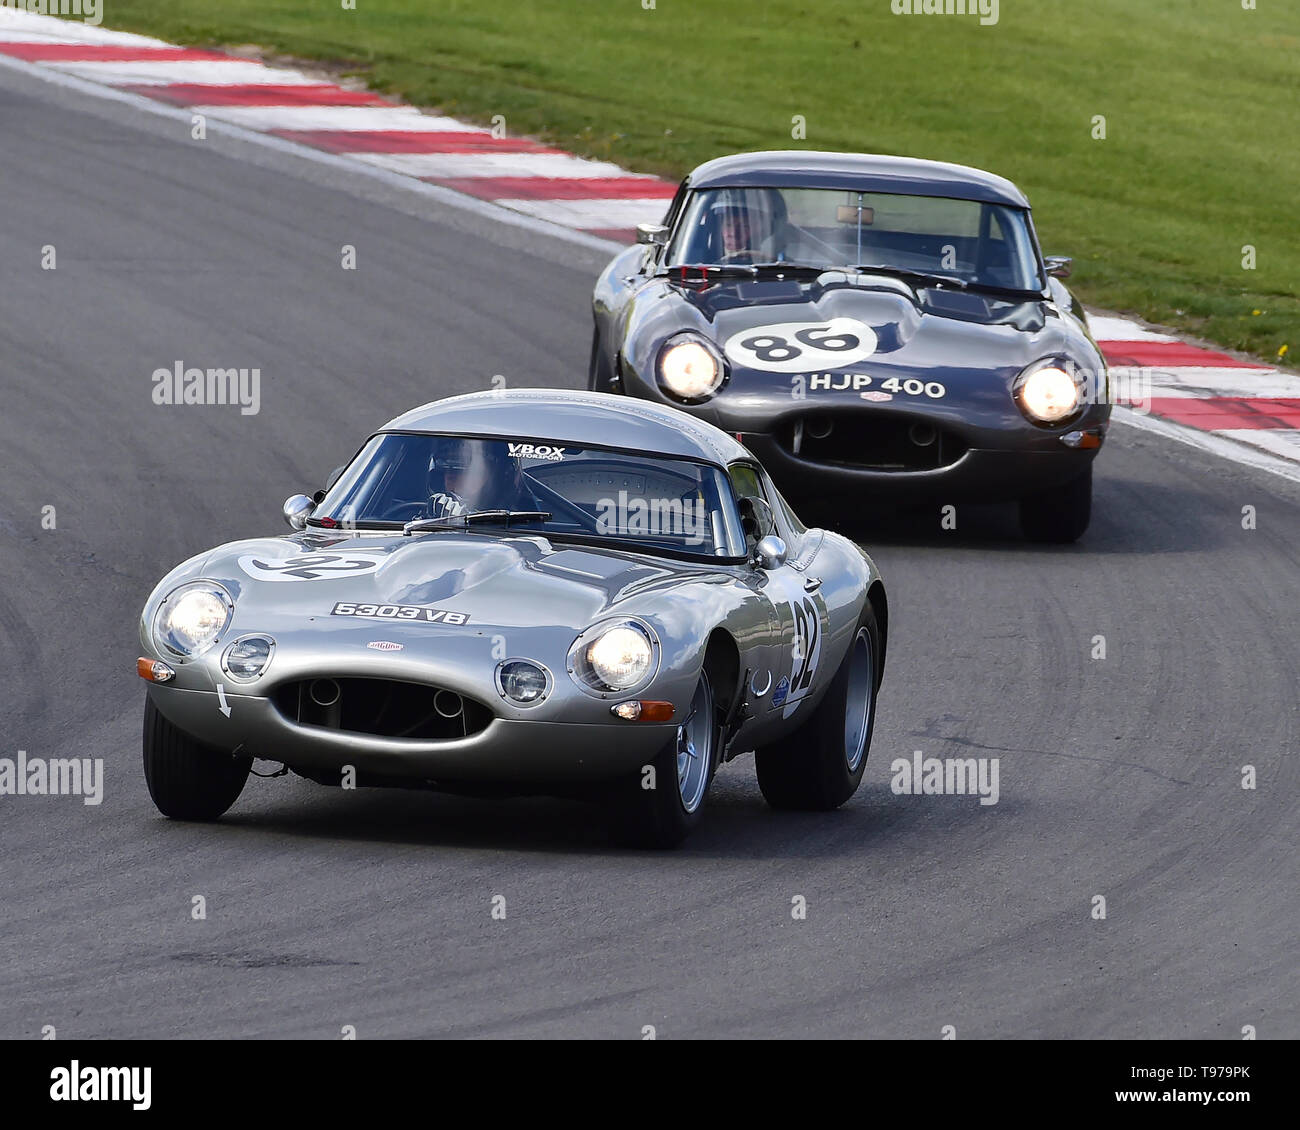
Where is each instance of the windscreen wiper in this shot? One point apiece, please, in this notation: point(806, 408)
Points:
point(706, 270)
point(923, 276)
point(348, 524)
point(1021, 293)
point(791, 265)
point(453, 521)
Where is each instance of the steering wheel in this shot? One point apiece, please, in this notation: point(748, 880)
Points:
point(734, 257)
point(417, 508)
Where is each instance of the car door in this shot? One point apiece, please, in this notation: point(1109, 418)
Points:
point(798, 609)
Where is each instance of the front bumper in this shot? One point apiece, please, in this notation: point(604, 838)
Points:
point(997, 455)
point(979, 475)
point(507, 751)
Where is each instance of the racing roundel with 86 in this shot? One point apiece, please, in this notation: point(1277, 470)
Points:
point(801, 347)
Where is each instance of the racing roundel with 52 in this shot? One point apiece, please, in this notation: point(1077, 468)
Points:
point(311, 566)
point(801, 347)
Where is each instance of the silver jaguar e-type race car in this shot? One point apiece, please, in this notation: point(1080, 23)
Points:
point(524, 592)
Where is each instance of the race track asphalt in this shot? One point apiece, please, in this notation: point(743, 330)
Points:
point(1119, 777)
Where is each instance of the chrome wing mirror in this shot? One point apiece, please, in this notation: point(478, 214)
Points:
point(297, 509)
point(770, 553)
point(655, 235)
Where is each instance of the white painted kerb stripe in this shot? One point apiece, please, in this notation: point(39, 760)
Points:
point(1189, 381)
point(1121, 329)
point(27, 27)
point(588, 214)
point(383, 119)
point(1280, 441)
point(453, 165)
point(219, 72)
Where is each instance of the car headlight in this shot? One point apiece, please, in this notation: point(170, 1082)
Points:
point(248, 657)
point(621, 657)
point(190, 618)
point(614, 657)
point(1048, 394)
point(689, 370)
point(523, 682)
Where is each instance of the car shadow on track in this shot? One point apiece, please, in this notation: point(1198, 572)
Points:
point(737, 824)
point(1135, 518)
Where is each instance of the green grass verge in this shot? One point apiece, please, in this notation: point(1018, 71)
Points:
point(1200, 99)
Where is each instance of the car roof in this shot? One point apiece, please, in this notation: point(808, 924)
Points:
point(583, 419)
point(864, 172)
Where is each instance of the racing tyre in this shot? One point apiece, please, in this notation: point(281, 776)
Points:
point(819, 766)
point(188, 781)
point(1058, 515)
point(661, 816)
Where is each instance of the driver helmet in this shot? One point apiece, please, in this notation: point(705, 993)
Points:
point(475, 473)
point(735, 228)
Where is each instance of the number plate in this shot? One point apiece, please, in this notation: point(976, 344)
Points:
point(409, 613)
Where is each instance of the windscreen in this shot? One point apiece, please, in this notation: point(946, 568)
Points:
point(635, 500)
point(980, 244)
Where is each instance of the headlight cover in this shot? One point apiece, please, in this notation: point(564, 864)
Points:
point(521, 682)
point(248, 657)
point(690, 369)
point(191, 618)
point(616, 657)
point(1050, 392)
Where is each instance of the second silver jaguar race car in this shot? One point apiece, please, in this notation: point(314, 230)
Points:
point(524, 591)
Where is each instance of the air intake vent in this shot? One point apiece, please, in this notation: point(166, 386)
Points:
point(382, 707)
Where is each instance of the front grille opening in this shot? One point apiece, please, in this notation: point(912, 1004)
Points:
point(382, 707)
point(876, 443)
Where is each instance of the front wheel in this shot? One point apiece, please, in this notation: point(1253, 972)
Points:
point(186, 780)
point(667, 799)
point(1059, 515)
point(820, 765)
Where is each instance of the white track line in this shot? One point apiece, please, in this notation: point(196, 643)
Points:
point(1233, 446)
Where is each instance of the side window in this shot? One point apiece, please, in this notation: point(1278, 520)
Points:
point(674, 209)
point(655, 255)
point(745, 482)
point(757, 518)
point(749, 481)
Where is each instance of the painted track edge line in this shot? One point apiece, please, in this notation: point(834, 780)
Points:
point(1228, 449)
point(442, 195)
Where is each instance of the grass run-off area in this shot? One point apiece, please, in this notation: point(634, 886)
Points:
point(1200, 101)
